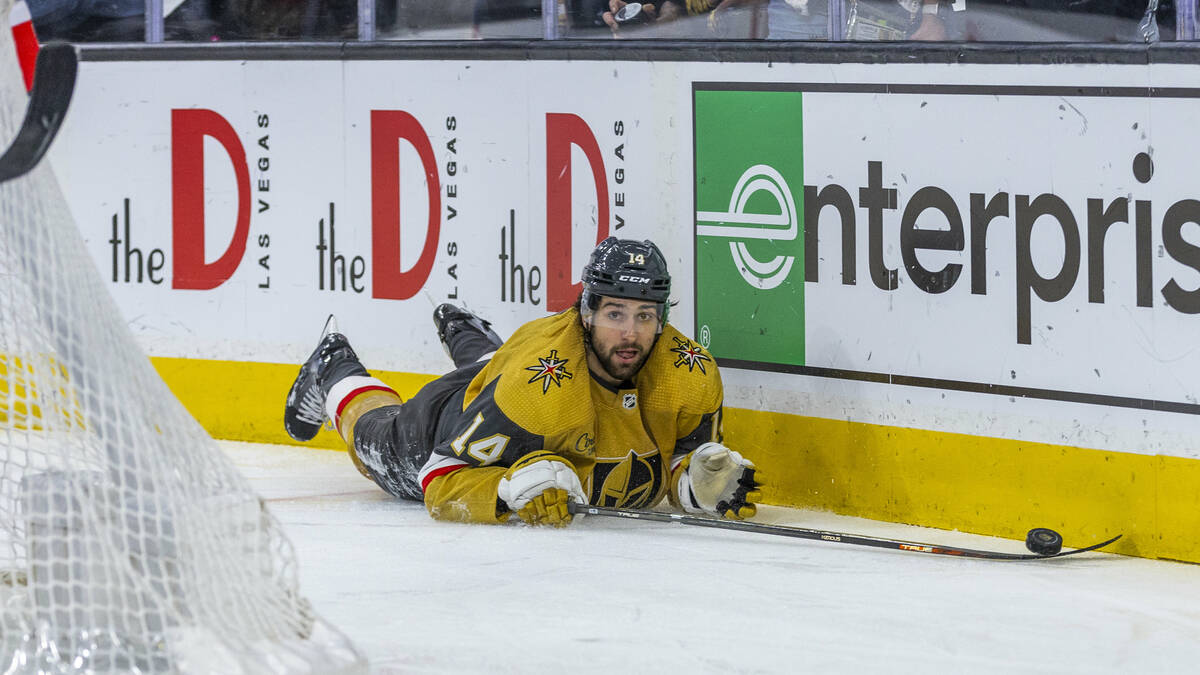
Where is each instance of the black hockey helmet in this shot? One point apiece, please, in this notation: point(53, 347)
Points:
point(626, 268)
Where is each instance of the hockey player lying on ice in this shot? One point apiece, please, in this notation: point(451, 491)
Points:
point(605, 403)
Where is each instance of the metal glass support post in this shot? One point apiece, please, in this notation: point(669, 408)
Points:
point(837, 20)
point(550, 20)
point(1185, 19)
point(154, 21)
point(366, 20)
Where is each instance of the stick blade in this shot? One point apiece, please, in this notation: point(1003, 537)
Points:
point(53, 85)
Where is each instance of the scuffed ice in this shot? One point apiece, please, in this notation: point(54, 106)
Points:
point(606, 595)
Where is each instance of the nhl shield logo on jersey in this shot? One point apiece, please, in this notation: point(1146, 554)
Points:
point(550, 369)
point(689, 354)
point(629, 401)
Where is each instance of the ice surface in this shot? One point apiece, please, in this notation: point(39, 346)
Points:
point(607, 595)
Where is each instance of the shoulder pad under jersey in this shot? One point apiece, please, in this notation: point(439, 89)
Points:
point(543, 380)
point(680, 374)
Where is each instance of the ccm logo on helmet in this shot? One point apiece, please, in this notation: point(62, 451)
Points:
point(634, 279)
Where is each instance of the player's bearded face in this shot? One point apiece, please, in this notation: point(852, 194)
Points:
point(622, 335)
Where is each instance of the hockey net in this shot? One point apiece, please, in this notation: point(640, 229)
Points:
point(128, 541)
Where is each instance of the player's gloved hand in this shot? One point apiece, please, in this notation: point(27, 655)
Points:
point(538, 487)
point(718, 481)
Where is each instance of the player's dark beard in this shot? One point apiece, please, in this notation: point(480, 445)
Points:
point(608, 357)
point(622, 371)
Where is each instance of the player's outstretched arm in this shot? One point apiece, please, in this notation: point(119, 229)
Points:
point(538, 486)
point(715, 480)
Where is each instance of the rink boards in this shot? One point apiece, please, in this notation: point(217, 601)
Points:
point(956, 294)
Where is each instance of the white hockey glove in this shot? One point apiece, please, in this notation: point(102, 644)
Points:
point(716, 480)
point(538, 487)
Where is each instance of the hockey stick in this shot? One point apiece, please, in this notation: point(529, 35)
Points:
point(53, 84)
point(819, 535)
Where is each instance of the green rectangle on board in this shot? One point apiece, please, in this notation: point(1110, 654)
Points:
point(749, 231)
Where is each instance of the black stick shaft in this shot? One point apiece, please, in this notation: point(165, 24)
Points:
point(818, 535)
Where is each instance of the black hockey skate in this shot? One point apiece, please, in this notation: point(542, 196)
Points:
point(452, 321)
point(332, 361)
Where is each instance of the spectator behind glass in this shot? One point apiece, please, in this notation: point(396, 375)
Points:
point(728, 19)
point(1044, 21)
point(288, 19)
point(199, 20)
point(88, 20)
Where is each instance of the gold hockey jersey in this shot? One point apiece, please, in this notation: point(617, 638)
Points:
point(536, 393)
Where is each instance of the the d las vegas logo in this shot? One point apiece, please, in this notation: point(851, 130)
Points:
point(749, 235)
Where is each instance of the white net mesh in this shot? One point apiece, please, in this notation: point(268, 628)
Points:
point(128, 541)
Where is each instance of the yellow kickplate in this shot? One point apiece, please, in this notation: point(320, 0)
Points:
point(243, 401)
point(991, 486)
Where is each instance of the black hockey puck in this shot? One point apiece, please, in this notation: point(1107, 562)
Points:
point(1043, 541)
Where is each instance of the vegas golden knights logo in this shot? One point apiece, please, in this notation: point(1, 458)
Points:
point(688, 354)
point(631, 481)
point(550, 369)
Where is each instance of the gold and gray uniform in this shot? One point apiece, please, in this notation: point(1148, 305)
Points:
point(451, 443)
